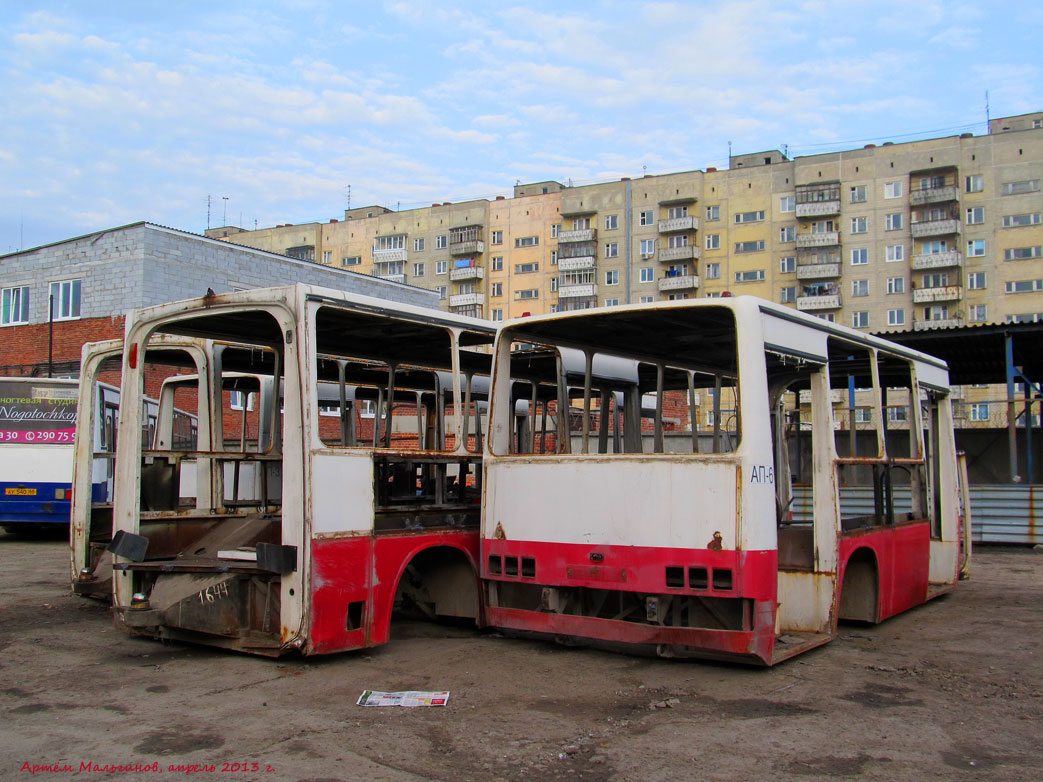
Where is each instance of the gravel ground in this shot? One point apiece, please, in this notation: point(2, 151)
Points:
point(951, 690)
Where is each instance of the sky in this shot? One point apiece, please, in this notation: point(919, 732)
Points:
point(116, 111)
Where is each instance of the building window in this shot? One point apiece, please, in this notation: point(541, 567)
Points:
point(677, 240)
point(496, 264)
point(646, 299)
point(859, 225)
point(580, 223)
point(15, 306)
point(787, 203)
point(645, 218)
point(441, 242)
point(713, 213)
point(553, 257)
point(496, 237)
point(527, 241)
point(858, 194)
point(976, 281)
point(896, 317)
point(749, 247)
point(979, 313)
point(863, 415)
point(788, 294)
point(526, 268)
point(65, 300)
point(893, 222)
point(553, 284)
point(936, 280)
point(1019, 221)
point(895, 252)
point(554, 230)
point(418, 270)
point(980, 411)
point(860, 256)
point(788, 233)
point(530, 293)
point(749, 217)
point(896, 284)
point(441, 267)
point(676, 211)
point(611, 302)
point(829, 317)
point(975, 215)
point(442, 291)
point(611, 222)
point(1024, 286)
point(327, 257)
point(1022, 253)
point(496, 289)
point(860, 320)
point(755, 275)
point(975, 248)
point(418, 245)
point(496, 314)
point(975, 183)
point(787, 265)
point(351, 260)
point(612, 277)
point(647, 248)
point(892, 190)
point(647, 275)
point(713, 241)
point(1018, 188)
point(612, 250)
point(860, 287)
point(713, 271)
point(898, 414)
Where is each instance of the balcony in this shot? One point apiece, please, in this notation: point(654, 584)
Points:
point(818, 209)
point(826, 239)
point(935, 228)
point(682, 282)
point(586, 290)
point(391, 277)
point(579, 235)
point(807, 303)
point(389, 256)
point(467, 273)
point(818, 271)
point(465, 299)
point(687, 253)
point(571, 264)
point(933, 195)
point(929, 325)
point(944, 293)
point(470, 247)
point(938, 260)
point(687, 223)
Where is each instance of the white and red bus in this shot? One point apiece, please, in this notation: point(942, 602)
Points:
point(721, 528)
point(353, 486)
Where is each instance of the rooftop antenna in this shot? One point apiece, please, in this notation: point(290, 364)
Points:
point(644, 170)
point(349, 197)
point(208, 211)
point(224, 217)
point(988, 121)
point(729, 155)
point(785, 151)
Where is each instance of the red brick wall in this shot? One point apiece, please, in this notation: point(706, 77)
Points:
point(24, 349)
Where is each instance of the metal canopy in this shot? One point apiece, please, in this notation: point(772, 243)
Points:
point(977, 354)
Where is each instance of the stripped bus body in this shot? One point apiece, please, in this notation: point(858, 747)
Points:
point(355, 492)
point(678, 536)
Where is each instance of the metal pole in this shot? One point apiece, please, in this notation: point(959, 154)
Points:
point(1012, 431)
point(50, 337)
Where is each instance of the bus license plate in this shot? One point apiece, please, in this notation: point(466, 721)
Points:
point(21, 492)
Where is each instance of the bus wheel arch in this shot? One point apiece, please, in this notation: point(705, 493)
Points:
point(860, 589)
point(439, 581)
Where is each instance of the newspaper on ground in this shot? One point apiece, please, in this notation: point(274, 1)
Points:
point(409, 698)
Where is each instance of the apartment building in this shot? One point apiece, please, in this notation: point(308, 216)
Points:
point(891, 237)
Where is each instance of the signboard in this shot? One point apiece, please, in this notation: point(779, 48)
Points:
point(37, 412)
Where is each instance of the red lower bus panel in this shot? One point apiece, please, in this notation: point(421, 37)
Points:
point(903, 554)
point(643, 570)
point(348, 571)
